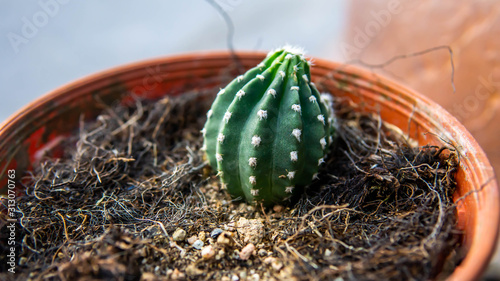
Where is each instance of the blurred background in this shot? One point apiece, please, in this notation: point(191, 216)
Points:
point(45, 44)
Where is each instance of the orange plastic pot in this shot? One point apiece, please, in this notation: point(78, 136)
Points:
point(43, 123)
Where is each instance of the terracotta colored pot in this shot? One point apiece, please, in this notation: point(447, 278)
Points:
point(379, 30)
point(47, 120)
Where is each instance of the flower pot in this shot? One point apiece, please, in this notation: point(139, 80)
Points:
point(476, 73)
point(44, 123)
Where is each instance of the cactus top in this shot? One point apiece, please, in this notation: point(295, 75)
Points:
point(269, 129)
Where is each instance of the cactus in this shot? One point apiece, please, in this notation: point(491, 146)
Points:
point(268, 130)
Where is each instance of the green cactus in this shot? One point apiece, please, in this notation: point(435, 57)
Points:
point(269, 129)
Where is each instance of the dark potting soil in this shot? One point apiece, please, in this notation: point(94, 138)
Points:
point(133, 199)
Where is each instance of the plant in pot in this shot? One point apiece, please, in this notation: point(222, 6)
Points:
point(230, 239)
point(269, 129)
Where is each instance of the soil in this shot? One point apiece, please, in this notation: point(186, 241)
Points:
point(133, 199)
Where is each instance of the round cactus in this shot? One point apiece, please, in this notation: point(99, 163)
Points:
point(268, 130)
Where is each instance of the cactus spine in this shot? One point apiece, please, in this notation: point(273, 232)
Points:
point(269, 129)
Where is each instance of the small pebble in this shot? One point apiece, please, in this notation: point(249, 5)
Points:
point(225, 239)
point(179, 234)
point(274, 262)
point(269, 260)
point(202, 236)
point(215, 233)
point(247, 252)
point(208, 252)
point(328, 253)
point(22, 260)
point(235, 278)
point(235, 255)
point(220, 254)
point(198, 244)
point(277, 265)
point(230, 226)
point(192, 239)
point(262, 253)
point(278, 208)
point(255, 277)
